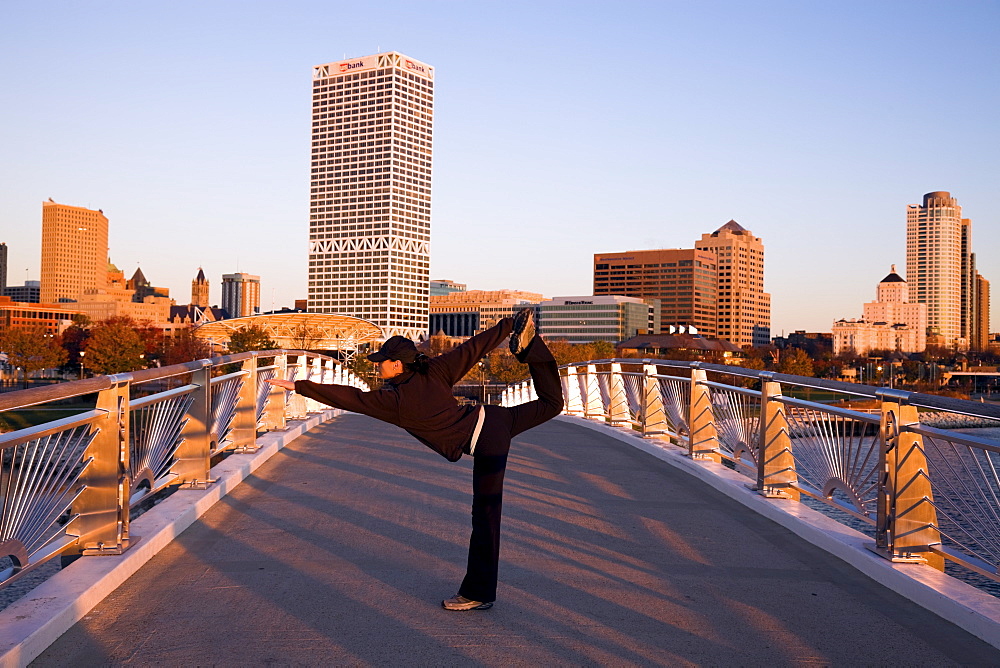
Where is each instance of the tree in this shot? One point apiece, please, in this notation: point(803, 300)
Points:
point(184, 347)
point(115, 347)
point(603, 350)
point(305, 337)
point(795, 362)
point(504, 368)
point(31, 349)
point(250, 338)
point(74, 341)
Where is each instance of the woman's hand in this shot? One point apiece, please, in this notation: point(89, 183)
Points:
point(283, 384)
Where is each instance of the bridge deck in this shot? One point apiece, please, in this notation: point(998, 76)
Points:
point(339, 550)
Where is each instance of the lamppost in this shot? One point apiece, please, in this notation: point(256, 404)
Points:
point(82, 353)
point(482, 376)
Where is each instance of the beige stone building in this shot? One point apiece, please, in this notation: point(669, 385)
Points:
point(74, 252)
point(117, 299)
point(463, 314)
point(743, 309)
point(891, 322)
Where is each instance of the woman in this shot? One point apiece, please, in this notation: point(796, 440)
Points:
point(417, 396)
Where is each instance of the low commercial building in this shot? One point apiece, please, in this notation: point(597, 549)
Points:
point(53, 318)
point(592, 318)
point(29, 293)
point(466, 313)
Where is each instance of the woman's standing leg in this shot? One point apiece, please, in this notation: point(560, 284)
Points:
point(488, 469)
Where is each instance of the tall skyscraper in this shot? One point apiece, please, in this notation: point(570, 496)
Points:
point(74, 252)
point(744, 309)
point(981, 331)
point(199, 290)
point(3, 267)
point(683, 279)
point(940, 267)
point(370, 202)
point(240, 294)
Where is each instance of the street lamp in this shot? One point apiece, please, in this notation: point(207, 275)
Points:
point(81, 364)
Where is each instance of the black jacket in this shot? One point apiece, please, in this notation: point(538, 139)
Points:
point(422, 404)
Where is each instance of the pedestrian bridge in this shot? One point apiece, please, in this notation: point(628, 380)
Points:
point(338, 547)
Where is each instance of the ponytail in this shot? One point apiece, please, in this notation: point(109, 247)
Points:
point(418, 365)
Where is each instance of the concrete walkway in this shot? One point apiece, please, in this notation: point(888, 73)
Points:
point(339, 549)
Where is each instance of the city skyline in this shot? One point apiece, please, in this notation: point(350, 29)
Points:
point(808, 125)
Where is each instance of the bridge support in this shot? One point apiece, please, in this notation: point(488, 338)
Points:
point(194, 453)
point(703, 443)
point(652, 416)
point(906, 525)
point(776, 476)
point(104, 503)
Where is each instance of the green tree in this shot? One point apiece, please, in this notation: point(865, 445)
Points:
point(31, 350)
point(796, 362)
point(114, 346)
point(250, 338)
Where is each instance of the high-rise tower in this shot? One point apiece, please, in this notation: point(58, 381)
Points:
point(370, 201)
point(3, 267)
point(744, 309)
point(241, 294)
point(74, 252)
point(940, 267)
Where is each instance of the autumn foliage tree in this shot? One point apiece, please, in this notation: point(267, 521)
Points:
point(184, 347)
point(31, 350)
point(115, 346)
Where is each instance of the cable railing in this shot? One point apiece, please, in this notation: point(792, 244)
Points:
point(924, 494)
point(67, 486)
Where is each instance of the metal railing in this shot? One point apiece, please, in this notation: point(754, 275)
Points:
point(924, 494)
point(67, 486)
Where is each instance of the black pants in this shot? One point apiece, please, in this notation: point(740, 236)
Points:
point(499, 427)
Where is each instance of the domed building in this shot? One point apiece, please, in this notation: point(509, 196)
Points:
point(891, 322)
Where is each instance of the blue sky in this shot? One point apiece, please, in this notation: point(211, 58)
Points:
point(561, 129)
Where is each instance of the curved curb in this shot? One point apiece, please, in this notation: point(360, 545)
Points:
point(967, 607)
point(28, 626)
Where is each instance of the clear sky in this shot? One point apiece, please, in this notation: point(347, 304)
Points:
point(561, 129)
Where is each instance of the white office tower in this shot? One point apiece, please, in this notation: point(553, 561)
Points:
point(370, 203)
point(938, 266)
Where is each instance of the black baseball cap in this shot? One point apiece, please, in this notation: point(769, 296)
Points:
point(395, 348)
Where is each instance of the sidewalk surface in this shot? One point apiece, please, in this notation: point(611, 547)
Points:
point(340, 548)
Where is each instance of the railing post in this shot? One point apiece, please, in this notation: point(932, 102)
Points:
point(194, 453)
point(906, 524)
point(593, 404)
point(703, 442)
point(296, 403)
point(103, 506)
point(571, 390)
point(652, 415)
point(776, 475)
point(618, 410)
point(245, 421)
point(274, 411)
